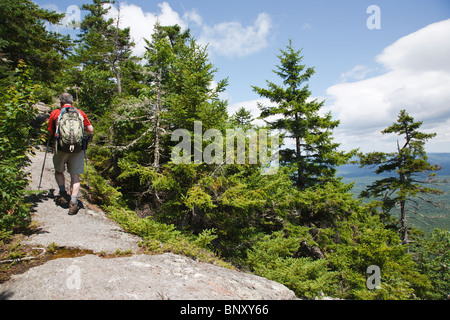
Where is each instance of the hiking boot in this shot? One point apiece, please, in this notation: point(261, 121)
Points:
point(62, 199)
point(73, 208)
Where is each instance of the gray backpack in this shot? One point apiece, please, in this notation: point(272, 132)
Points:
point(69, 130)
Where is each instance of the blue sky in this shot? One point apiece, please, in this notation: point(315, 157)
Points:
point(365, 75)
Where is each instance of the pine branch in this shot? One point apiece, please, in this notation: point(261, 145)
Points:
point(132, 143)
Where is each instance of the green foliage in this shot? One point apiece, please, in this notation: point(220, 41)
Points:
point(103, 53)
point(192, 97)
point(157, 237)
point(314, 238)
point(161, 51)
point(96, 34)
point(235, 204)
point(367, 242)
point(315, 155)
point(299, 226)
point(330, 246)
point(16, 135)
point(160, 237)
point(180, 75)
point(432, 255)
point(102, 192)
point(97, 90)
point(205, 238)
point(23, 36)
point(325, 205)
point(272, 257)
point(403, 185)
point(147, 228)
point(242, 119)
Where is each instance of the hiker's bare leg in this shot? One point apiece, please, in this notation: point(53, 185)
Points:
point(75, 184)
point(75, 188)
point(59, 176)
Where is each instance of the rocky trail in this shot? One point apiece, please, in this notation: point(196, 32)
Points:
point(92, 274)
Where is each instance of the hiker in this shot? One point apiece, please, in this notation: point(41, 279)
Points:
point(72, 154)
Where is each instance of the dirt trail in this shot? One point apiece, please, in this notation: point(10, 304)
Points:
point(139, 276)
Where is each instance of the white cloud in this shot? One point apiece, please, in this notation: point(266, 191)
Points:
point(168, 17)
point(233, 39)
point(424, 50)
point(51, 7)
point(225, 38)
point(359, 72)
point(306, 26)
point(141, 23)
point(193, 16)
point(417, 79)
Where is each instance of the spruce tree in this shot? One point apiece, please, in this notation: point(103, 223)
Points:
point(160, 55)
point(242, 118)
point(315, 155)
point(405, 167)
point(192, 96)
point(104, 52)
point(93, 44)
point(23, 36)
point(177, 92)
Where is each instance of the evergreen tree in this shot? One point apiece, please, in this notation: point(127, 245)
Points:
point(315, 155)
point(405, 168)
point(180, 80)
point(316, 239)
point(160, 55)
point(192, 97)
point(177, 92)
point(23, 36)
point(162, 49)
point(93, 43)
point(242, 119)
point(104, 52)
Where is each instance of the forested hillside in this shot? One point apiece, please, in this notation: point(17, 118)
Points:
point(298, 223)
point(433, 213)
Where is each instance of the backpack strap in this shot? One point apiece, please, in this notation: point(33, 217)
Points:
point(59, 121)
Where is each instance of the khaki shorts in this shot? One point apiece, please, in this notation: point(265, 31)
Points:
point(75, 162)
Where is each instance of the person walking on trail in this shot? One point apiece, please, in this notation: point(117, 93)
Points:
point(66, 125)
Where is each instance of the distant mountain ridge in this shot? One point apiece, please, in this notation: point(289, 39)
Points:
point(362, 177)
point(354, 171)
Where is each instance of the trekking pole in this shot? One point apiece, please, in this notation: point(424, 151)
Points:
point(84, 147)
point(43, 165)
point(87, 169)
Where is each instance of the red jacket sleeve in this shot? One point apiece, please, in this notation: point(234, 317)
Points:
point(52, 120)
point(86, 120)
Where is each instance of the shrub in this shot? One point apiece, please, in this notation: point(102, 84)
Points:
point(432, 255)
point(16, 135)
point(272, 258)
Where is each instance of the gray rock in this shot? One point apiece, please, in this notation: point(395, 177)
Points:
point(158, 277)
point(42, 108)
